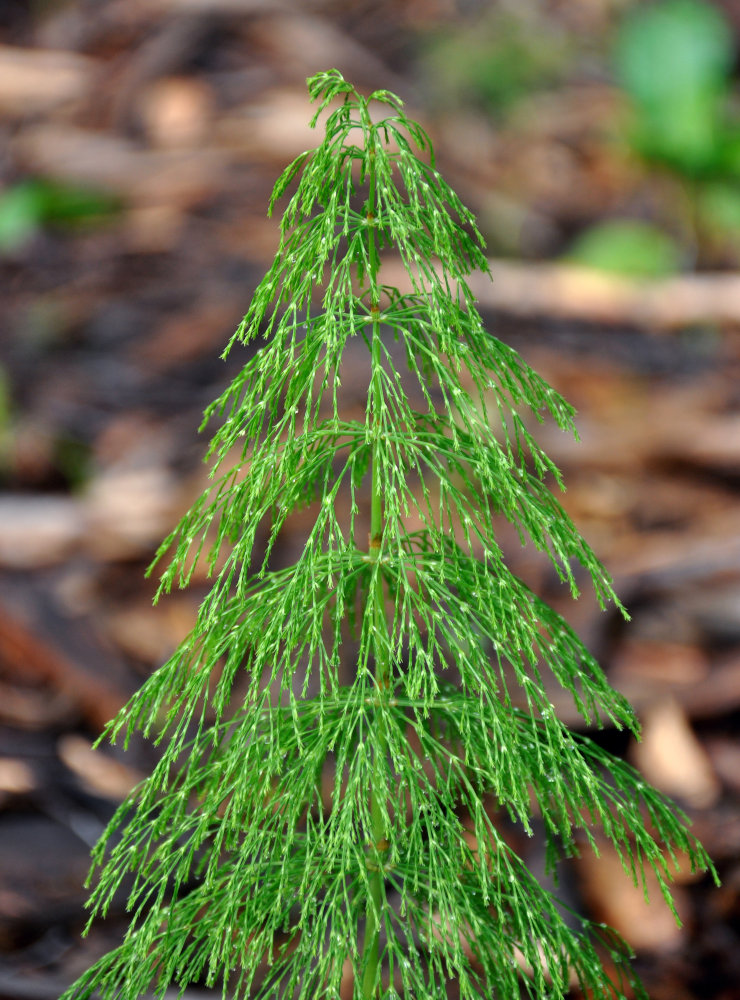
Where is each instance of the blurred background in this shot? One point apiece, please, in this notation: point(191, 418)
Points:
point(597, 141)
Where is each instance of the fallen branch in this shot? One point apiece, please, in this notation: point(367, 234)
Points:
point(561, 291)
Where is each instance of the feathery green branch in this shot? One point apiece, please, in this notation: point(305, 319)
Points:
point(335, 731)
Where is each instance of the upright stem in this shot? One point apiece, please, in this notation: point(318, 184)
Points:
point(371, 944)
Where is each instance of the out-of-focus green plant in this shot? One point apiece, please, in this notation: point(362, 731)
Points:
point(673, 60)
point(494, 61)
point(35, 203)
point(306, 834)
point(627, 247)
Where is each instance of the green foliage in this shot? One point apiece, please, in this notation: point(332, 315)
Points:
point(720, 204)
point(674, 60)
point(626, 247)
point(496, 60)
point(335, 731)
point(29, 205)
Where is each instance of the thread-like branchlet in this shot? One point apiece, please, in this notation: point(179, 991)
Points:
point(319, 823)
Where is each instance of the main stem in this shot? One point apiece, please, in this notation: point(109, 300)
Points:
point(371, 944)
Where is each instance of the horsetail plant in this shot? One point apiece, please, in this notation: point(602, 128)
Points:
point(350, 740)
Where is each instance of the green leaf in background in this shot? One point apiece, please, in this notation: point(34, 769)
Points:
point(719, 210)
point(728, 154)
point(31, 204)
point(19, 216)
point(496, 60)
point(673, 59)
point(626, 247)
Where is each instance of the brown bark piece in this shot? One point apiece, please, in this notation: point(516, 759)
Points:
point(562, 291)
point(613, 898)
point(151, 633)
point(724, 754)
point(715, 693)
point(176, 112)
point(42, 870)
point(39, 80)
point(38, 643)
point(671, 757)
point(147, 177)
point(38, 531)
point(189, 335)
point(99, 774)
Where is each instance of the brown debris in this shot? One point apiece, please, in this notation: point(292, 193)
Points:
point(621, 904)
point(38, 80)
point(671, 757)
point(147, 177)
point(27, 653)
point(42, 870)
point(148, 634)
point(16, 778)
point(125, 512)
point(563, 291)
point(186, 110)
point(176, 112)
point(100, 774)
point(39, 531)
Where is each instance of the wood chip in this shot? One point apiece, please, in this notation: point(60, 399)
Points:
point(16, 776)
point(99, 773)
point(38, 531)
point(147, 177)
point(150, 634)
point(658, 559)
point(559, 290)
point(188, 335)
point(35, 706)
point(714, 443)
point(724, 754)
point(612, 897)
point(40, 645)
point(671, 757)
point(152, 228)
point(129, 511)
point(176, 112)
point(299, 42)
point(39, 80)
point(124, 512)
point(239, 7)
point(715, 694)
point(274, 130)
point(668, 663)
point(562, 291)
